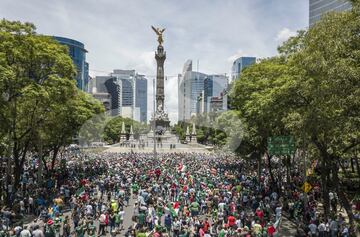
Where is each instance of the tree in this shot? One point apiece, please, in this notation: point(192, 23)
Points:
point(40, 107)
point(66, 119)
point(114, 125)
point(261, 100)
point(311, 91)
point(326, 69)
point(31, 65)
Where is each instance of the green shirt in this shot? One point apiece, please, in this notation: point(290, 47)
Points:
point(135, 187)
point(49, 231)
point(222, 233)
point(117, 218)
point(141, 218)
point(195, 206)
point(80, 232)
point(141, 234)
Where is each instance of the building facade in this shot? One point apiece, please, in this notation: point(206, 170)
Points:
point(239, 64)
point(195, 90)
point(77, 53)
point(319, 7)
point(128, 93)
point(216, 104)
point(214, 86)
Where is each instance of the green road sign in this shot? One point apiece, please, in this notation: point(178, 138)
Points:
point(281, 145)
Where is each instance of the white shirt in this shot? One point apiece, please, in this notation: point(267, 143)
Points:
point(321, 227)
point(25, 233)
point(334, 225)
point(278, 211)
point(121, 214)
point(312, 228)
point(238, 223)
point(89, 209)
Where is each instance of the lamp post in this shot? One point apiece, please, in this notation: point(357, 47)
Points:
point(154, 119)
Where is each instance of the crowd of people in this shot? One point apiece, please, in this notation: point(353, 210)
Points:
point(174, 194)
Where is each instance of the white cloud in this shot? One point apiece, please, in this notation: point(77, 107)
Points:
point(208, 32)
point(284, 35)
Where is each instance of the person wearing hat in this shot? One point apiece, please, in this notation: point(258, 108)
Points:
point(57, 225)
point(49, 228)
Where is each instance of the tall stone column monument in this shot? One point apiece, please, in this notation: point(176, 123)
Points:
point(160, 120)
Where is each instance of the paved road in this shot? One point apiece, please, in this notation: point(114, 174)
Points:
point(287, 228)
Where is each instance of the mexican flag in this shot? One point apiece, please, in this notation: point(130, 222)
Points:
point(80, 192)
point(172, 210)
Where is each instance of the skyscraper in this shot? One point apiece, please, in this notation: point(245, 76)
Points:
point(192, 85)
point(319, 7)
point(77, 53)
point(214, 86)
point(128, 92)
point(239, 64)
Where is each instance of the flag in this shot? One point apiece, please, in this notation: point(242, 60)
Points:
point(80, 191)
point(172, 210)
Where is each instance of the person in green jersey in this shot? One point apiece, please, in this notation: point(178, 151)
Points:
point(194, 208)
point(49, 229)
point(135, 188)
point(141, 233)
point(141, 218)
point(80, 231)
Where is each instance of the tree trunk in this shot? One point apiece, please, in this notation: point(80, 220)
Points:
point(346, 173)
point(324, 188)
point(288, 169)
point(273, 181)
point(259, 167)
point(357, 166)
point(55, 153)
point(43, 160)
point(352, 165)
point(342, 196)
point(17, 175)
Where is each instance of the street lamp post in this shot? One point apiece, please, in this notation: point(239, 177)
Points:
point(154, 119)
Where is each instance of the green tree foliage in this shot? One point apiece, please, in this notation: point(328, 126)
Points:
point(311, 90)
point(327, 72)
point(113, 128)
point(39, 102)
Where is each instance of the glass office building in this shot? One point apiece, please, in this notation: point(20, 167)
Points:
point(192, 85)
point(319, 7)
point(128, 92)
point(77, 53)
point(141, 96)
point(239, 64)
point(214, 86)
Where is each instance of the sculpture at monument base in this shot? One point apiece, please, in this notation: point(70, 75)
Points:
point(187, 135)
point(131, 135)
point(193, 134)
point(123, 133)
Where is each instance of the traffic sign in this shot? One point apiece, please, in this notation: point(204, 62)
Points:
point(281, 145)
point(306, 187)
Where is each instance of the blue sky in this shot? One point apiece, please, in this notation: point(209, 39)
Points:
point(117, 33)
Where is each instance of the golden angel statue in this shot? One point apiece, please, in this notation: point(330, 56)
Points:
point(159, 33)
